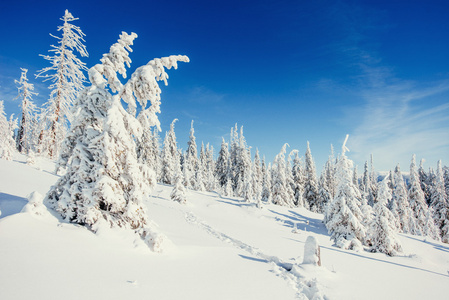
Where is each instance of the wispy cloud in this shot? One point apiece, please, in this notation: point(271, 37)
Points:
point(396, 117)
point(204, 95)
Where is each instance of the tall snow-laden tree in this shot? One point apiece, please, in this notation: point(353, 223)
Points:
point(330, 174)
point(7, 144)
point(439, 203)
point(170, 159)
point(222, 165)
point(420, 225)
point(104, 183)
point(344, 215)
point(266, 182)
point(311, 195)
point(67, 80)
point(298, 181)
point(382, 231)
point(400, 206)
point(179, 191)
point(257, 178)
point(191, 159)
point(148, 150)
point(424, 181)
point(24, 135)
point(280, 190)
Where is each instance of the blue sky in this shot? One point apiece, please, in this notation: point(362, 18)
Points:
point(288, 71)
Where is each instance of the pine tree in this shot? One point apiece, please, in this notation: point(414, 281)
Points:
point(104, 183)
point(222, 165)
point(280, 191)
point(24, 135)
point(344, 215)
point(418, 204)
point(7, 144)
point(170, 159)
point(191, 159)
point(382, 233)
point(400, 205)
point(266, 182)
point(311, 195)
point(439, 203)
point(330, 174)
point(67, 78)
point(179, 191)
point(257, 178)
point(298, 181)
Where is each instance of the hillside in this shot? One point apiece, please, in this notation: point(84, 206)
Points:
point(220, 248)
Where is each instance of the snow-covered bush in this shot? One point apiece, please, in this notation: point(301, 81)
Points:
point(312, 252)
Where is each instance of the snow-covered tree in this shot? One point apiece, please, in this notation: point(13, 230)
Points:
point(424, 181)
point(222, 165)
point(400, 206)
point(179, 191)
point(382, 230)
point(329, 171)
point(104, 183)
point(266, 182)
point(344, 215)
point(170, 159)
point(439, 203)
point(298, 181)
point(24, 135)
point(311, 195)
point(148, 150)
point(7, 144)
point(67, 80)
point(280, 190)
point(257, 178)
point(418, 204)
point(191, 163)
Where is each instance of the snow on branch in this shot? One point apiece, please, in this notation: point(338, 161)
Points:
point(143, 85)
point(113, 62)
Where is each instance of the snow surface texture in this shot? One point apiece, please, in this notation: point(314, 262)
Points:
point(222, 248)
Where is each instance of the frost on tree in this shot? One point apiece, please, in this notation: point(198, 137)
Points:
point(419, 223)
point(7, 144)
point(440, 205)
point(67, 80)
point(281, 192)
point(25, 133)
point(169, 158)
point(311, 196)
point(104, 182)
point(191, 164)
point(400, 206)
point(382, 231)
point(344, 217)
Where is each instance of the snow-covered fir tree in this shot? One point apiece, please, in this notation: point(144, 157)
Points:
point(266, 182)
point(7, 144)
point(329, 171)
point(210, 179)
point(179, 190)
point(311, 195)
point(424, 181)
point(298, 181)
point(344, 215)
point(323, 193)
point(257, 178)
point(400, 206)
point(25, 133)
point(67, 78)
point(382, 230)
point(440, 204)
point(419, 224)
point(104, 183)
point(148, 151)
point(170, 158)
point(191, 163)
point(222, 165)
point(280, 190)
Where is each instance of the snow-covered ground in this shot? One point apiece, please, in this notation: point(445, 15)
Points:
point(221, 248)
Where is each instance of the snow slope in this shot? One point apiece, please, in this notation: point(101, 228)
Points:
point(221, 248)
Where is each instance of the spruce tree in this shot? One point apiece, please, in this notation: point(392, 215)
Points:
point(311, 195)
point(280, 193)
point(104, 183)
point(344, 215)
point(419, 223)
point(439, 203)
point(24, 135)
point(7, 144)
point(382, 229)
point(67, 79)
point(400, 205)
point(266, 183)
point(222, 164)
point(191, 163)
point(170, 159)
point(298, 181)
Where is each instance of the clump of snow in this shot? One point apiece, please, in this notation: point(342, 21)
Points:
point(312, 252)
point(35, 205)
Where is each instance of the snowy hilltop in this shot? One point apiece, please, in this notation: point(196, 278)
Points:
point(220, 248)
